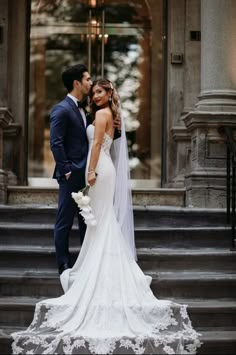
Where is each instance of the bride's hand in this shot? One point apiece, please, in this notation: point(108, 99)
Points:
point(91, 178)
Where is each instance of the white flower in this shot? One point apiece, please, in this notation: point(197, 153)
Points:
point(93, 223)
point(82, 200)
point(87, 215)
point(74, 195)
point(87, 209)
point(79, 194)
point(85, 200)
point(168, 349)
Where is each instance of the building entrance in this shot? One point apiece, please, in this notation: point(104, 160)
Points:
point(114, 39)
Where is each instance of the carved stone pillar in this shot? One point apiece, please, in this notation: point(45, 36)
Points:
point(5, 118)
point(205, 183)
point(11, 148)
point(4, 113)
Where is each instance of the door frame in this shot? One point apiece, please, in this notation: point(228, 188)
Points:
point(159, 130)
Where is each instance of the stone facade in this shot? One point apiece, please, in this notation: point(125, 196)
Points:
point(201, 98)
point(198, 94)
point(216, 107)
point(13, 93)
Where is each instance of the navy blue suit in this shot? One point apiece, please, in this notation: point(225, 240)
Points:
point(69, 146)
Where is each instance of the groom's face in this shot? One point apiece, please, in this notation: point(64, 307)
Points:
point(86, 83)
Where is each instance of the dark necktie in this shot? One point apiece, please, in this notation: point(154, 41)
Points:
point(82, 104)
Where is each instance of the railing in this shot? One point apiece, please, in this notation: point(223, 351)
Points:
point(230, 179)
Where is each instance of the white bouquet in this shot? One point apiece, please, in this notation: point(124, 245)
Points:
point(82, 200)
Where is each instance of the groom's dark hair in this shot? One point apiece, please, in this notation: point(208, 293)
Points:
point(75, 72)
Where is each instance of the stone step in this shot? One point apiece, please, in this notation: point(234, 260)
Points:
point(176, 284)
point(213, 313)
point(41, 234)
point(142, 195)
point(149, 259)
point(195, 260)
point(194, 284)
point(210, 313)
point(31, 283)
point(6, 340)
point(149, 216)
point(218, 342)
point(215, 342)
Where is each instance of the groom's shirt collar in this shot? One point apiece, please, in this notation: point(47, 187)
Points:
point(73, 98)
point(80, 109)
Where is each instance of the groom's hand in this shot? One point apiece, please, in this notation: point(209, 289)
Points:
point(117, 123)
point(67, 175)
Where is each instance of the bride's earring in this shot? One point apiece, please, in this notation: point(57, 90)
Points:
point(110, 99)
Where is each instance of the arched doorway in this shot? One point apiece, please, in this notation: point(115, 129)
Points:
point(114, 38)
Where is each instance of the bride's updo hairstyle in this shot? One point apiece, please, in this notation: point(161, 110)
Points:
point(113, 101)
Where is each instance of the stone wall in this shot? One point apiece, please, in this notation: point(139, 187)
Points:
point(13, 63)
point(201, 97)
point(183, 84)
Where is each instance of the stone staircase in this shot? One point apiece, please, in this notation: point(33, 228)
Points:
point(186, 251)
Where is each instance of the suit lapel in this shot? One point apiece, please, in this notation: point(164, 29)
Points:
point(76, 110)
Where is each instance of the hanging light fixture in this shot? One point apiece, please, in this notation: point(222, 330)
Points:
point(92, 3)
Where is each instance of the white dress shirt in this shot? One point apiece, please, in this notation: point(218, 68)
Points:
point(79, 108)
point(84, 119)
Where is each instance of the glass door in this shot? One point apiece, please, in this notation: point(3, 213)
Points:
point(113, 38)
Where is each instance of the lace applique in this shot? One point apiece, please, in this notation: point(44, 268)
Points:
point(16, 348)
point(168, 349)
point(136, 345)
point(67, 345)
point(51, 315)
point(102, 346)
point(36, 315)
point(52, 345)
point(107, 142)
point(183, 311)
point(71, 344)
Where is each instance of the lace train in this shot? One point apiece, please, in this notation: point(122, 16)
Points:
point(173, 335)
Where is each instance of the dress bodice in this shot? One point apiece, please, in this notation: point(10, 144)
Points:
point(107, 140)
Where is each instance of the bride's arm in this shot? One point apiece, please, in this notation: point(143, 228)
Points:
point(100, 128)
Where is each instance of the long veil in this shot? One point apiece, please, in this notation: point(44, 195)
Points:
point(123, 195)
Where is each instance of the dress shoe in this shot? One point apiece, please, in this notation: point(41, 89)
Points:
point(63, 267)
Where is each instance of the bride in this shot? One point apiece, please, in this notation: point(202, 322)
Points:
point(108, 306)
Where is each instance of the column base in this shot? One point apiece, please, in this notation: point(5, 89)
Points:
point(206, 189)
point(206, 180)
point(3, 187)
point(217, 101)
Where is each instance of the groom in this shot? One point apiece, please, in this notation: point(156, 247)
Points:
point(69, 146)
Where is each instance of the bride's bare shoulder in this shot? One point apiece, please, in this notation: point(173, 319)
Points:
point(104, 114)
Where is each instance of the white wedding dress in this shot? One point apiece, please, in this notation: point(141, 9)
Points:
point(108, 306)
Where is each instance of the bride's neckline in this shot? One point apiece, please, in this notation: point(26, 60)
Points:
point(91, 124)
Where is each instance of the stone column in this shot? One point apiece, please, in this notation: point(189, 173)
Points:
point(18, 81)
point(4, 112)
point(205, 183)
point(218, 55)
point(5, 117)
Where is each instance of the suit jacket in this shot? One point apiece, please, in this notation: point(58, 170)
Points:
point(68, 138)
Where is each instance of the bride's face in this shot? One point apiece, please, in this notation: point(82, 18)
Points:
point(100, 96)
